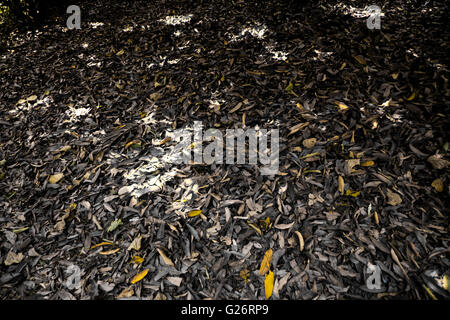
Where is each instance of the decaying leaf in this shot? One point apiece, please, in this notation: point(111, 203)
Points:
point(265, 264)
point(438, 162)
point(165, 258)
point(393, 198)
point(349, 164)
point(113, 226)
point(13, 258)
point(255, 227)
point(309, 143)
point(438, 185)
point(135, 244)
point(360, 59)
point(137, 259)
point(126, 293)
point(55, 178)
point(245, 273)
point(176, 281)
point(141, 275)
point(268, 284)
point(341, 106)
point(352, 193)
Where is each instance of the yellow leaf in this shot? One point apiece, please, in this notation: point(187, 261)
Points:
point(268, 284)
point(412, 96)
point(137, 259)
point(309, 143)
point(367, 163)
point(55, 178)
point(290, 87)
point(101, 244)
point(360, 59)
point(265, 264)
point(105, 253)
point(300, 240)
point(165, 258)
point(445, 282)
point(32, 98)
point(134, 143)
point(352, 193)
point(377, 220)
point(135, 244)
point(245, 273)
point(255, 227)
point(341, 106)
point(63, 149)
point(341, 185)
point(438, 185)
point(194, 213)
point(430, 293)
point(121, 52)
point(141, 275)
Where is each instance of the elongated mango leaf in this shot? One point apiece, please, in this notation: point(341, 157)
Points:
point(141, 275)
point(265, 264)
point(194, 213)
point(268, 284)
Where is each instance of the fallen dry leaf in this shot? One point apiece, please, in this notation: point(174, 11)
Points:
point(55, 178)
point(393, 198)
point(13, 258)
point(438, 185)
point(165, 258)
point(265, 264)
point(141, 275)
point(268, 284)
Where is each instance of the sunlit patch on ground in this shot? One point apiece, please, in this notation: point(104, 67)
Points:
point(95, 25)
point(75, 114)
point(258, 31)
point(177, 20)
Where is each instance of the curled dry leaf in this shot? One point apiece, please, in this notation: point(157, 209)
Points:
point(300, 240)
point(165, 258)
point(349, 164)
point(341, 185)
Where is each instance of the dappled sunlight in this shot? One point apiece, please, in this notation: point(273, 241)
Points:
point(353, 11)
point(177, 20)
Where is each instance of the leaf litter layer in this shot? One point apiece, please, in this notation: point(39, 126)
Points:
point(85, 117)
